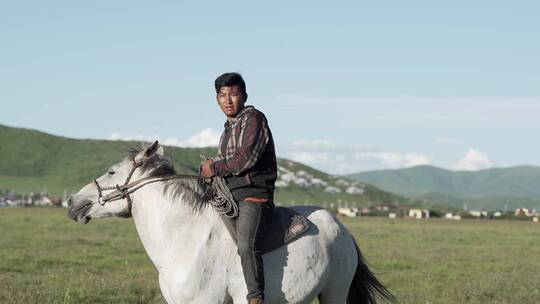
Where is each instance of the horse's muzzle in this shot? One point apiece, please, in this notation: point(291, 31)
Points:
point(78, 211)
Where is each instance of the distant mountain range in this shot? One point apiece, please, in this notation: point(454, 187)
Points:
point(31, 160)
point(496, 188)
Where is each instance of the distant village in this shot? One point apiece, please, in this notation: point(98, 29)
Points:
point(402, 211)
point(12, 199)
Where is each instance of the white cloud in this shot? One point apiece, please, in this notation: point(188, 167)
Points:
point(146, 138)
point(205, 138)
point(308, 157)
point(343, 159)
point(392, 160)
point(473, 160)
point(316, 144)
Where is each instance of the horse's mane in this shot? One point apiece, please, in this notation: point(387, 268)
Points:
point(193, 190)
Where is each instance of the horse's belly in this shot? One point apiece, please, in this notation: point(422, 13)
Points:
point(176, 290)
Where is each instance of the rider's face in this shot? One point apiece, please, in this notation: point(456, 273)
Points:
point(231, 100)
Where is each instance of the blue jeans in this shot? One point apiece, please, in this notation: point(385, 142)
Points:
point(250, 227)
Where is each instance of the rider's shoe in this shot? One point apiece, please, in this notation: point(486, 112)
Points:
point(257, 300)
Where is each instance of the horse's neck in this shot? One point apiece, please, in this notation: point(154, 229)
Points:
point(172, 234)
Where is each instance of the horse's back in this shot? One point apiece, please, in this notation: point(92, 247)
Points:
point(327, 226)
point(319, 215)
point(329, 231)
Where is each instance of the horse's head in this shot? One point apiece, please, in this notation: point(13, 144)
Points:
point(106, 195)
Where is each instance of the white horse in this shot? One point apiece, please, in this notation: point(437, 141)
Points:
point(196, 257)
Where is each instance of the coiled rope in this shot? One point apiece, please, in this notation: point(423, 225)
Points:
point(221, 198)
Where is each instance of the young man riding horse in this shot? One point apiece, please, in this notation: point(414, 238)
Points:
point(247, 162)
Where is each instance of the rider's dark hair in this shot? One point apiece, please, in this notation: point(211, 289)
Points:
point(230, 79)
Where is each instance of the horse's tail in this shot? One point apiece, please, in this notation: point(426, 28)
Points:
point(365, 288)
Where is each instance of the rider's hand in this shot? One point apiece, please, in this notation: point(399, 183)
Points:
point(206, 170)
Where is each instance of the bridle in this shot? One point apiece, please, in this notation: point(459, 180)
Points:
point(124, 191)
point(223, 203)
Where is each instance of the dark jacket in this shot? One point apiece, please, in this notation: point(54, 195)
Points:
point(246, 156)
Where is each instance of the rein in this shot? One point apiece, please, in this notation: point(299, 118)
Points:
point(223, 202)
point(124, 191)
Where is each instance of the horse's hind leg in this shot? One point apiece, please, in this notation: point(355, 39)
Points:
point(334, 294)
point(228, 299)
point(336, 289)
point(325, 299)
point(338, 283)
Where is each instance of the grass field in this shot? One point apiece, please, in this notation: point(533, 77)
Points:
point(47, 258)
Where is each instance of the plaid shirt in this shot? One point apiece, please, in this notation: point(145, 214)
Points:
point(242, 143)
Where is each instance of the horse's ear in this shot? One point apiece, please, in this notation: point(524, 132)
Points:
point(148, 152)
point(160, 151)
point(153, 149)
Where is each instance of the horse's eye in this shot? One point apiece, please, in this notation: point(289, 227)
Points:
point(111, 172)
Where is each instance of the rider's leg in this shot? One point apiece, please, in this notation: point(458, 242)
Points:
point(250, 226)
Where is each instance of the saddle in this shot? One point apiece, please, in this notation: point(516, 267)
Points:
point(285, 226)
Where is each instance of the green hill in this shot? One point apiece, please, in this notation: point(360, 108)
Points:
point(35, 161)
point(490, 189)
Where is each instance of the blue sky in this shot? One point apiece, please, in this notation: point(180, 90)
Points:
point(346, 86)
